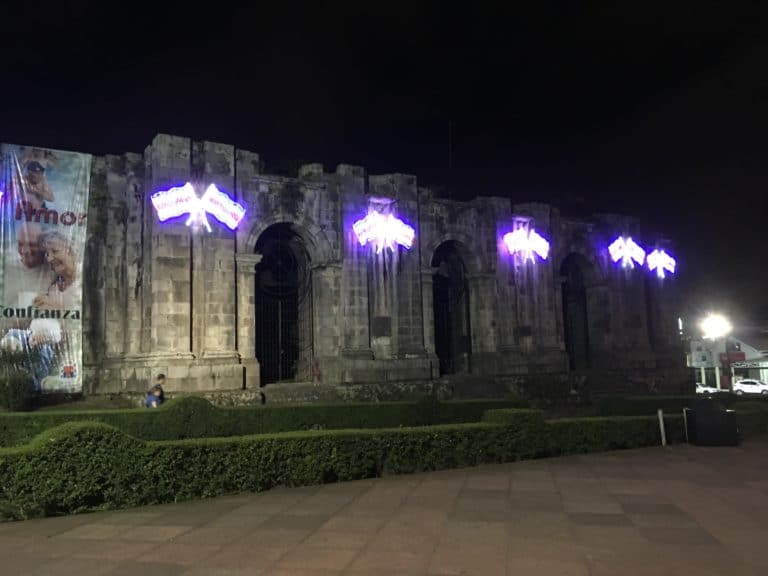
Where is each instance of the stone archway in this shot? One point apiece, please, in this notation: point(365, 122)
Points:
point(315, 241)
point(576, 272)
point(451, 308)
point(319, 254)
point(283, 305)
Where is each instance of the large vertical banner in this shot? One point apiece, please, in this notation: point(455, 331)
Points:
point(43, 208)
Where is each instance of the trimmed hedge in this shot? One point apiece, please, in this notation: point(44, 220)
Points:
point(748, 409)
point(751, 416)
point(195, 417)
point(514, 417)
point(17, 388)
point(85, 465)
point(642, 405)
point(577, 435)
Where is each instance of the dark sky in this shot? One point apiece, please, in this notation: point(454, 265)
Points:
point(657, 110)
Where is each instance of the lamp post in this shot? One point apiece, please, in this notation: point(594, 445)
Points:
point(716, 327)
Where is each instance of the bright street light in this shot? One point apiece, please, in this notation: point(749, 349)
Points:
point(715, 326)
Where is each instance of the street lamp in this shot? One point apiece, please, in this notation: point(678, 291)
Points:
point(716, 327)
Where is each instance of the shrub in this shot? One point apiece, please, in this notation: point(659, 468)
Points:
point(751, 417)
point(514, 417)
point(647, 405)
point(195, 417)
point(642, 405)
point(17, 390)
point(71, 468)
point(576, 435)
point(80, 466)
point(751, 413)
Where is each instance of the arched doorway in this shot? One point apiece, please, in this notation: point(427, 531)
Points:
point(575, 320)
point(283, 306)
point(450, 297)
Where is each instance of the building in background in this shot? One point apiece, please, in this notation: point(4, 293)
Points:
point(351, 285)
point(754, 346)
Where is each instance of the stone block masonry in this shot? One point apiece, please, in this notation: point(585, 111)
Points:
point(292, 298)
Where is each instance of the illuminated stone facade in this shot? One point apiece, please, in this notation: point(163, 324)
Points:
point(291, 304)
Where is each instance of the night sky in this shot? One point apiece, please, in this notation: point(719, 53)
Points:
point(610, 107)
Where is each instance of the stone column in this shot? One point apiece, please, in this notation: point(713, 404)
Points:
point(246, 316)
point(482, 318)
point(217, 338)
point(168, 256)
point(507, 305)
point(354, 273)
point(546, 306)
point(428, 309)
point(428, 319)
point(382, 292)
point(326, 337)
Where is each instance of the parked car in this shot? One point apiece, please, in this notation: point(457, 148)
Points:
point(702, 389)
point(749, 386)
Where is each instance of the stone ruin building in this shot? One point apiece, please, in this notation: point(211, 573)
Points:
point(291, 305)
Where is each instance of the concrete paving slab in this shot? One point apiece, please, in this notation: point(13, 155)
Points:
point(658, 511)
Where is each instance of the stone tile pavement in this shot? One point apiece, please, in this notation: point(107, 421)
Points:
point(657, 511)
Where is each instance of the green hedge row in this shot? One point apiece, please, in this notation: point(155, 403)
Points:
point(648, 405)
point(575, 435)
point(195, 417)
point(752, 416)
point(85, 465)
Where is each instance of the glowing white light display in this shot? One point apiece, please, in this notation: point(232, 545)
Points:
point(662, 262)
point(181, 200)
point(626, 250)
point(527, 243)
point(383, 231)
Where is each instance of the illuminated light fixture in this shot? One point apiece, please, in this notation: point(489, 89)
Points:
point(526, 243)
point(383, 231)
point(181, 200)
point(715, 326)
point(626, 250)
point(660, 261)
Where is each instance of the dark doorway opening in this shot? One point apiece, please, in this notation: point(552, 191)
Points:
point(283, 306)
point(575, 320)
point(453, 344)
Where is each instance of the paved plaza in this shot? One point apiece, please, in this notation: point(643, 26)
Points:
point(679, 510)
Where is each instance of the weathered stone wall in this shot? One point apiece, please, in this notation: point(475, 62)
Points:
point(161, 298)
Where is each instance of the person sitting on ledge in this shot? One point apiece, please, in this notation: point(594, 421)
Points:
point(156, 395)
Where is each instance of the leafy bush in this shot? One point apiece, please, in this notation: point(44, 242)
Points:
point(17, 391)
point(71, 468)
point(648, 405)
point(751, 417)
point(575, 435)
point(751, 414)
point(513, 416)
point(642, 405)
point(82, 466)
point(17, 388)
point(195, 417)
